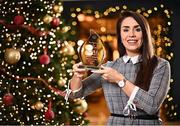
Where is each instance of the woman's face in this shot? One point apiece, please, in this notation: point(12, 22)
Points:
point(131, 35)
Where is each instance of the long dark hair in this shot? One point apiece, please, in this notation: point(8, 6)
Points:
point(149, 60)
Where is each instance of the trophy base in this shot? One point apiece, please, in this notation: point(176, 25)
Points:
point(88, 67)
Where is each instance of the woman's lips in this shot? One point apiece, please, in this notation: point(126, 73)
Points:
point(132, 41)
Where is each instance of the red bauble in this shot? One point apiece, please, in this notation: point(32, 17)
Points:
point(85, 114)
point(55, 22)
point(18, 20)
point(49, 115)
point(44, 59)
point(8, 99)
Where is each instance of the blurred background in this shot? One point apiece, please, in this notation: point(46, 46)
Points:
point(101, 15)
point(40, 42)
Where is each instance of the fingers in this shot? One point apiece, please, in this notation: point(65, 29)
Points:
point(103, 73)
point(80, 63)
point(77, 69)
point(107, 73)
point(105, 76)
point(103, 67)
point(75, 66)
point(102, 70)
point(78, 75)
point(98, 71)
point(78, 72)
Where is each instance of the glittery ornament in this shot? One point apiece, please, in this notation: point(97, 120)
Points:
point(68, 49)
point(61, 82)
point(81, 107)
point(57, 8)
point(49, 114)
point(47, 19)
point(18, 20)
point(8, 99)
point(38, 105)
point(12, 56)
point(55, 22)
point(44, 59)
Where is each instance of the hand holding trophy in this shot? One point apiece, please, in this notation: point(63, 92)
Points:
point(92, 53)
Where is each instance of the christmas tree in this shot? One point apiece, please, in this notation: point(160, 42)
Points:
point(37, 54)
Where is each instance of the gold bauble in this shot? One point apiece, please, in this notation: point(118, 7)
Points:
point(58, 8)
point(9, 39)
point(68, 50)
point(12, 56)
point(38, 105)
point(47, 19)
point(61, 82)
point(32, 107)
point(81, 106)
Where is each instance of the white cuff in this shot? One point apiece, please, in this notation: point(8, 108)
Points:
point(130, 105)
point(74, 91)
point(68, 91)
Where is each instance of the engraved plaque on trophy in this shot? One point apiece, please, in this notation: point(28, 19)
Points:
point(92, 52)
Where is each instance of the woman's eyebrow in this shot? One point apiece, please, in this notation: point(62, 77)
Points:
point(129, 26)
point(137, 26)
point(125, 26)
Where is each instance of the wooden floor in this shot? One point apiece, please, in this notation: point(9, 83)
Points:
point(98, 112)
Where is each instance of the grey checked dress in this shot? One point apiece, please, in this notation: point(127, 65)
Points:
point(147, 102)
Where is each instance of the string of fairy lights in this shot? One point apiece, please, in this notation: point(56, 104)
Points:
point(161, 35)
point(41, 39)
point(34, 55)
point(46, 41)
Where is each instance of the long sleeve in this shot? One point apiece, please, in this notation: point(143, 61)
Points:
point(150, 100)
point(89, 85)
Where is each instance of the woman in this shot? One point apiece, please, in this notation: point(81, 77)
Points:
point(136, 84)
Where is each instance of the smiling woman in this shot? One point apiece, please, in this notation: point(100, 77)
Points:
point(131, 35)
point(134, 85)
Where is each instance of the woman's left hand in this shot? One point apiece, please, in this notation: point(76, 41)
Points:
point(110, 74)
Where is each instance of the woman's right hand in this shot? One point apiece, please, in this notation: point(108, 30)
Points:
point(78, 72)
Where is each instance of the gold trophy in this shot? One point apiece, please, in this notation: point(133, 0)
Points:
point(92, 52)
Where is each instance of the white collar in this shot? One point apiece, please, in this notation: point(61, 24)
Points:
point(134, 59)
